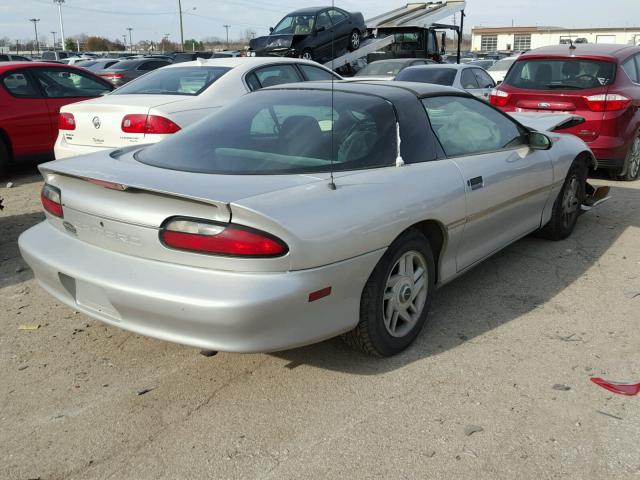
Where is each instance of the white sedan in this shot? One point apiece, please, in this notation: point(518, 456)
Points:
point(169, 99)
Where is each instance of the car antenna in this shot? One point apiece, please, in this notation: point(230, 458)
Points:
point(332, 183)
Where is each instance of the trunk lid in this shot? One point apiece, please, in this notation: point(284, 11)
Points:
point(99, 121)
point(128, 221)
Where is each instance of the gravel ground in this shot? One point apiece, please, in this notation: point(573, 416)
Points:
point(497, 386)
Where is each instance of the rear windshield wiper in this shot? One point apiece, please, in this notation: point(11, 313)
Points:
point(563, 85)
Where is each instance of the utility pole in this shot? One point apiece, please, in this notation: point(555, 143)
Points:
point(54, 40)
point(130, 42)
point(181, 27)
point(227, 27)
point(35, 27)
point(124, 42)
point(165, 40)
point(59, 3)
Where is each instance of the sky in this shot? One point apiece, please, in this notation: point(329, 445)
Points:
point(151, 19)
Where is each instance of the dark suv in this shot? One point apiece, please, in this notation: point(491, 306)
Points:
point(600, 83)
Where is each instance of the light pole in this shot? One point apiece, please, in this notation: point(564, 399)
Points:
point(227, 27)
point(165, 40)
point(130, 42)
point(35, 27)
point(124, 42)
point(181, 27)
point(54, 40)
point(59, 3)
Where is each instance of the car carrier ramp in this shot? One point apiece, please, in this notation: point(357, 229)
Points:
point(368, 46)
point(417, 14)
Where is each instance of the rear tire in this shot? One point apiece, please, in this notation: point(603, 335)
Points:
point(566, 208)
point(396, 299)
point(632, 162)
point(354, 40)
point(4, 159)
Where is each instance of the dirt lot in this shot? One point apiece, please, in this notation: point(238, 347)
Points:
point(538, 315)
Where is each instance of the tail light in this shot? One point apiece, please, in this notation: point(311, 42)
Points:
point(52, 200)
point(111, 76)
point(220, 239)
point(607, 102)
point(148, 124)
point(66, 121)
point(498, 98)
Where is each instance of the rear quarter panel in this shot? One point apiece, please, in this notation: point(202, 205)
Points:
point(366, 212)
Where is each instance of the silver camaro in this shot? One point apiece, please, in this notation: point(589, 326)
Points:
point(303, 212)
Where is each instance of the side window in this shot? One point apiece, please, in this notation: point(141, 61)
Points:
point(252, 82)
point(277, 75)
point(60, 83)
point(468, 79)
point(631, 67)
point(315, 73)
point(19, 58)
point(483, 78)
point(337, 16)
point(4, 58)
point(19, 85)
point(324, 21)
point(466, 126)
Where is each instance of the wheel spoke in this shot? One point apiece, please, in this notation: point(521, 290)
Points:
point(394, 322)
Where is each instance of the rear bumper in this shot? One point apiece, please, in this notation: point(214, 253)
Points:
point(214, 310)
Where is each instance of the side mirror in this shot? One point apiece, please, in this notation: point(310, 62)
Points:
point(271, 29)
point(320, 29)
point(539, 141)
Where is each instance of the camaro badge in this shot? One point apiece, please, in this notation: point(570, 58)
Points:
point(96, 122)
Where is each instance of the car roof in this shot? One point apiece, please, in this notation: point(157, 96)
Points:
point(233, 62)
point(389, 90)
point(584, 49)
point(397, 60)
point(307, 10)
point(452, 66)
point(12, 65)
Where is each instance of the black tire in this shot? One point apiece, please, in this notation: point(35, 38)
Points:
point(567, 206)
point(354, 40)
point(307, 54)
point(371, 335)
point(632, 162)
point(4, 159)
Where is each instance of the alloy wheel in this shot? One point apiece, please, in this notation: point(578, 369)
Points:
point(405, 294)
point(634, 160)
point(355, 40)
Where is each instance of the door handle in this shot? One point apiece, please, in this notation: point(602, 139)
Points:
point(476, 183)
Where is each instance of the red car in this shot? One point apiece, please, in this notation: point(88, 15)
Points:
point(31, 95)
point(600, 83)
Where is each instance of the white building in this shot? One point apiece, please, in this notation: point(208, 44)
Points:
point(517, 39)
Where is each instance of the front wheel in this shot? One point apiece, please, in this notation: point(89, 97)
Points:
point(567, 206)
point(396, 298)
point(354, 40)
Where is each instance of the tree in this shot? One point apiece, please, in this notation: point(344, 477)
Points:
point(70, 44)
point(193, 45)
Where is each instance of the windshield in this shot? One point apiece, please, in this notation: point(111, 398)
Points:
point(502, 65)
point(439, 76)
point(548, 74)
point(284, 132)
point(174, 81)
point(381, 69)
point(295, 25)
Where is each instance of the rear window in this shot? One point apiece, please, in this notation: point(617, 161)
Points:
point(174, 81)
point(381, 68)
point(284, 132)
point(439, 76)
point(571, 74)
point(125, 65)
